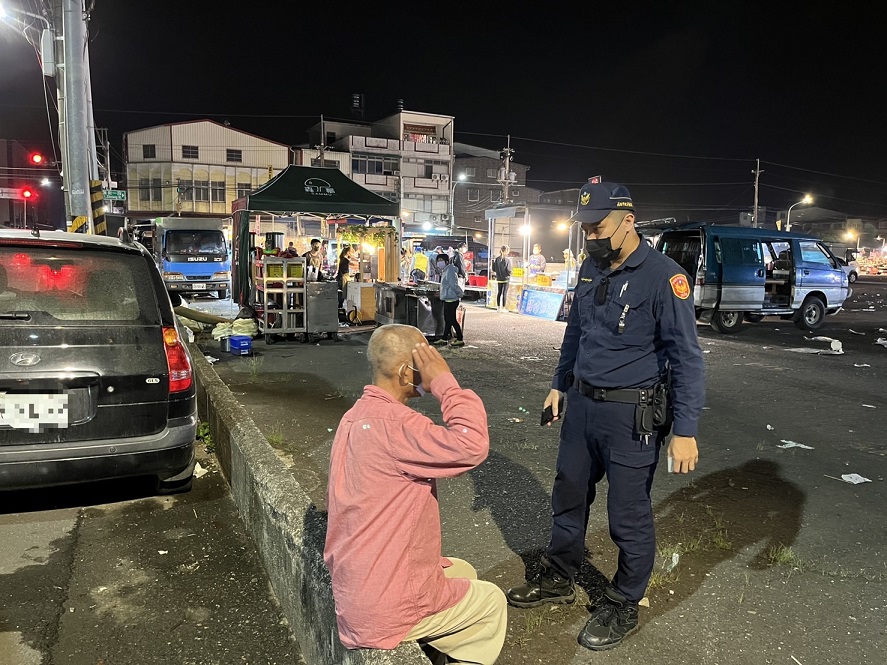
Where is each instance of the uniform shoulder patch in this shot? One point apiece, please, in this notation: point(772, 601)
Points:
point(680, 286)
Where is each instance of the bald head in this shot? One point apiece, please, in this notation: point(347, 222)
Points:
point(390, 346)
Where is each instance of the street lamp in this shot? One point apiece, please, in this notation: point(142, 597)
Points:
point(788, 219)
point(459, 178)
point(858, 236)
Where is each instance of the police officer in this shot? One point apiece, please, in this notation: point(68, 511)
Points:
point(632, 324)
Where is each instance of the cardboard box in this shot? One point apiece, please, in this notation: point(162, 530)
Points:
point(241, 345)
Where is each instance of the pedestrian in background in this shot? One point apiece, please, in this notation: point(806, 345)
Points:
point(451, 293)
point(629, 346)
point(383, 541)
point(502, 272)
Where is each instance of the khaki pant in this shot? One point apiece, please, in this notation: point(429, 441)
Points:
point(473, 630)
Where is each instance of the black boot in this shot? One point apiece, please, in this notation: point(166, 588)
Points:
point(546, 587)
point(612, 620)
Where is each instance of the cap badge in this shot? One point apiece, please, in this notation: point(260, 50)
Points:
point(584, 198)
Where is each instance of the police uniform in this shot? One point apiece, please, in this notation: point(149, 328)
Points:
point(625, 327)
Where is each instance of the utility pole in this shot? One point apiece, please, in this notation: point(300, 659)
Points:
point(77, 166)
point(757, 173)
point(506, 154)
point(322, 146)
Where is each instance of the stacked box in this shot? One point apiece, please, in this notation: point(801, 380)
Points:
point(241, 345)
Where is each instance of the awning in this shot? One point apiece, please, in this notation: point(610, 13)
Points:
point(319, 191)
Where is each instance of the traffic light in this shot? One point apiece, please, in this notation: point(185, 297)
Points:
point(37, 159)
point(27, 193)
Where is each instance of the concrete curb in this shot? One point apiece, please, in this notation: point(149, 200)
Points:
point(286, 527)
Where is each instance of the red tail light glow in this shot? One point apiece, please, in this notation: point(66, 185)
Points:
point(180, 374)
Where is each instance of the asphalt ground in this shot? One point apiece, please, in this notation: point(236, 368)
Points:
point(108, 574)
point(778, 559)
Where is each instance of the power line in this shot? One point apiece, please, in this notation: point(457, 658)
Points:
point(831, 175)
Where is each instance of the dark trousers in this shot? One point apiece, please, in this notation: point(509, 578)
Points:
point(598, 439)
point(450, 323)
point(501, 295)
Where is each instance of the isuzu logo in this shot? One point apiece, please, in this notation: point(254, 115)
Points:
point(198, 258)
point(25, 359)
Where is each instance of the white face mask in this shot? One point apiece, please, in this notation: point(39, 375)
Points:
point(416, 377)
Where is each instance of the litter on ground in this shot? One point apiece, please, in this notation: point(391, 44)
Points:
point(854, 332)
point(861, 365)
point(199, 471)
point(870, 406)
point(854, 478)
point(794, 444)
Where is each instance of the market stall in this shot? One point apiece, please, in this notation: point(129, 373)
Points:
point(302, 202)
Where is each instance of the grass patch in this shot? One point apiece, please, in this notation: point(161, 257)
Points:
point(782, 555)
point(660, 579)
point(275, 437)
point(255, 365)
point(720, 540)
point(205, 437)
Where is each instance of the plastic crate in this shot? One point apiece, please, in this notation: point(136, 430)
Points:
point(294, 270)
point(241, 345)
point(274, 270)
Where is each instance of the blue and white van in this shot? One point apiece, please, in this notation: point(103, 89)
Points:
point(743, 274)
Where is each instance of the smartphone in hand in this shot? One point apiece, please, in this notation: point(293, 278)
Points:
point(548, 414)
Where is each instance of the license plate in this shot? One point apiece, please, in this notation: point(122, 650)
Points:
point(199, 287)
point(34, 413)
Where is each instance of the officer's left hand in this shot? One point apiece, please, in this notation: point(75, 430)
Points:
point(684, 452)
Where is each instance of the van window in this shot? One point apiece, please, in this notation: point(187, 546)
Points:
point(811, 252)
point(683, 249)
point(741, 251)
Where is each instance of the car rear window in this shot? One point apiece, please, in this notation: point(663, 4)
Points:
point(45, 284)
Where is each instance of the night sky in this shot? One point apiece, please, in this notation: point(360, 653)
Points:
point(674, 99)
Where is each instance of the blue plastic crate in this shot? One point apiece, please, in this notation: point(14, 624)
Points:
point(241, 345)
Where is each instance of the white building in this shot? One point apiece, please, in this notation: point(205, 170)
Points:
point(196, 168)
point(406, 157)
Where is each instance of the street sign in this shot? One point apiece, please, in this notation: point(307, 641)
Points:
point(114, 195)
point(11, 193)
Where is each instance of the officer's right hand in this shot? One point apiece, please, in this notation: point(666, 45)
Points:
point(553, 400)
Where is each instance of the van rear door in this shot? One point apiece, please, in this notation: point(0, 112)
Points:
point(742, 274)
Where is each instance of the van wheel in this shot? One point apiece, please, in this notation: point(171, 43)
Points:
point(754, 318)
point(852, 277)
point(726, 321)
point(811, 316)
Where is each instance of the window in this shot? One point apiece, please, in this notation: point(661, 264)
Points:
point(741, 251)
point(492, 173)
point(201, 190)
point(156, 190)
point(233, 155)
point(243, 189)
point(327, 163)
point(190, 152)
point(470, 172)
point(374, 165)
point(473, 194)
point(217, 191)
point(495, 195)
point(144, 189)
point(811, 252)
point(149, 151)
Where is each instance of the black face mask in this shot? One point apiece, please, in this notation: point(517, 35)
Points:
point(601, 251)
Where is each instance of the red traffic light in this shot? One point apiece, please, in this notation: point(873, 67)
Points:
point(27, 193)
point(36, 159)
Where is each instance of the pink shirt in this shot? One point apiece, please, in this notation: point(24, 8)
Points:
point(383, 537)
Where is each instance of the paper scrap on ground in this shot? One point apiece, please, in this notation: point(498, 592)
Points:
point(861, 365)
point(854, 332)
point(199, 471)
point(211, 360)
point(870, 406)
point(854, 478)
point(793, 444)
point(819, 352)
point(530, 358)
point(882, 341)
point(770, 427)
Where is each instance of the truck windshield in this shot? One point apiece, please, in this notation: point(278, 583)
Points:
point(195, 242)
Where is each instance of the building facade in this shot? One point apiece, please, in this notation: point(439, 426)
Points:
point(481, 182)
point(196, 169)
point(406, 157)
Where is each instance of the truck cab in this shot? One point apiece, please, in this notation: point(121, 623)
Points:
point(743, 274)
point(192, 254)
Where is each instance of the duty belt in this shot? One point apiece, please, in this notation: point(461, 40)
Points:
point(640, 396)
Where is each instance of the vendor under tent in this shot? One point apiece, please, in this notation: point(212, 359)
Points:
point(316, 193)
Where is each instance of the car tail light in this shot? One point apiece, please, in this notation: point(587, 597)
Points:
point(177, 359)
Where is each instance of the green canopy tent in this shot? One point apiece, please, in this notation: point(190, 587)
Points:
point(300, 190)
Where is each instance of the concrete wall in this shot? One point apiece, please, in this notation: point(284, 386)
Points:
point(286, 527)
